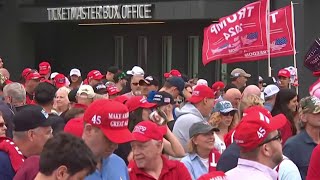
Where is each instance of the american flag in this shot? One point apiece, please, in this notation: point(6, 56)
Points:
point(278, 44)
point(249, 38)
point(219, 49)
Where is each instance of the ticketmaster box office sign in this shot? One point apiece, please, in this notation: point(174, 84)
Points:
point(104, 12)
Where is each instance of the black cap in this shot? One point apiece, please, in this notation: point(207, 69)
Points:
point(162, 98)
point(269, 80)
point(100, 88)
point(113, 69)
point(149, 80)
point(177, 82)
point(30, 118)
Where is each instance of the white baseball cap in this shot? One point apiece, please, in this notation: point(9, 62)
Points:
point(75, 72)
point(86, 89)
point(53, 75)
point(270, 90)
point(136, 70)
point(202, 82)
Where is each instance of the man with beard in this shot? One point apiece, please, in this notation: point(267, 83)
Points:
point(260, 147)
point(106, 126)
point(120, 81)
point(137, 74)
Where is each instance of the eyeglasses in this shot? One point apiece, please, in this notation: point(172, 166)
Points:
point(231, 113)
point(277, 137)
point(135, 84)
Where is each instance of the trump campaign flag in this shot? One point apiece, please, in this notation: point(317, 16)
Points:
point(281, 39)
point(312, 58)
point(245, 29)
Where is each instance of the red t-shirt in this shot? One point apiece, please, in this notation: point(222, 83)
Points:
point(286, 132)
point(314, 166)
point(213, 159)
point(171, 170)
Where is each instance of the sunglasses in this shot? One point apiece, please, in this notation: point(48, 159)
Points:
point(275, 138)
point(135, 84)
point(231, 113)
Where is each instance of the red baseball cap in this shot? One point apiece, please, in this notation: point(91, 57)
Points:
point(199, 93)
point(136, 102)
point(59, 80)
point(254, 128)
point(95, 74)
point(33, 76)
point(75, 127)
point(284, 73)
point(217, 86)
point(44, 68)
point(173, 72)
point(111, 117)
point(316, 73)
point(215, 175)
point(148, 130)
point(122, 99)
point(25, 72)
point(112, 90)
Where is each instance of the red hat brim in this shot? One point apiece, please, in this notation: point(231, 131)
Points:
point(117, 136)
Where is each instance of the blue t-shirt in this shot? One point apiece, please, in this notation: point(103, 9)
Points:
point(113, 167)
point(6, 170)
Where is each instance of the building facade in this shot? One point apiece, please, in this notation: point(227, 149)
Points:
point(158, 35)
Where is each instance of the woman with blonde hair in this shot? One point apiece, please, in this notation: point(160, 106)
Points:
point(223, 119)
point(245, 103)
point(200, 145)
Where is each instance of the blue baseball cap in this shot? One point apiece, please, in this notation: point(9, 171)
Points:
point(224, 107)
point(177, 82)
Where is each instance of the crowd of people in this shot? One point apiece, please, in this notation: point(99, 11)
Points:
point(128, 125)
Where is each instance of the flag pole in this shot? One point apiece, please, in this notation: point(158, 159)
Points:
point(268, 38)
point(294, 46)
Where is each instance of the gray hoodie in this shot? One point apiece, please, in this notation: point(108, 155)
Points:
point(186, 116)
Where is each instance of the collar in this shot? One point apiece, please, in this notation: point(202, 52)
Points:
point(306, 138)
point(167, 167)
point(193, 156)
point(258, 166)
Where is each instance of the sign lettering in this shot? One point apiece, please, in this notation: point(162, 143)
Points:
point(108, 12)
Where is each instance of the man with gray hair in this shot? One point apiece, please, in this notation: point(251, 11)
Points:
point(15, 95)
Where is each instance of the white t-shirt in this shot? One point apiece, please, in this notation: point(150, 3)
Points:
point(205, 162)
point(219, 144)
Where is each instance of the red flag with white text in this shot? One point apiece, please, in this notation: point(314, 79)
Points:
point(243, 30)
point(281, 39)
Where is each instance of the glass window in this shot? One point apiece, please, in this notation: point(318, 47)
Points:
point(118, 51)
point(166, 54)
point(193, 55)
point(142, 52)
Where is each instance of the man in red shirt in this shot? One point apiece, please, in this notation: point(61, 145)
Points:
point(148, 162)
point(313, 170)
point(32, 81)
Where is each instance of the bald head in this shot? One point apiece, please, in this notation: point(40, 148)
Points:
point(233, 95)
point(251, 89)
point(5, 72)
